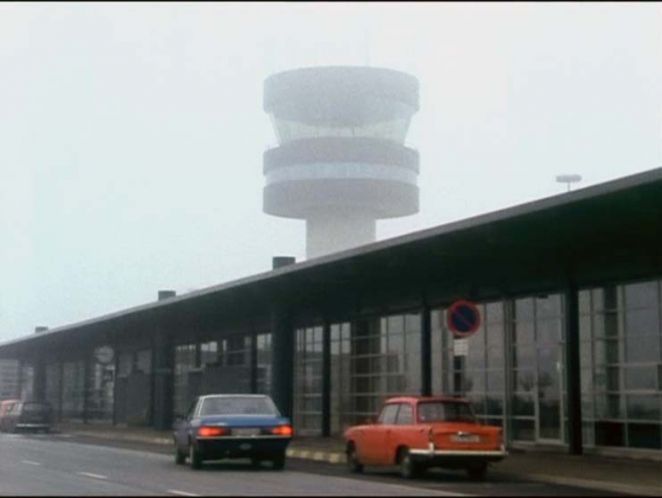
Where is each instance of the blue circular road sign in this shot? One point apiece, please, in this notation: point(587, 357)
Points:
point(463, 318)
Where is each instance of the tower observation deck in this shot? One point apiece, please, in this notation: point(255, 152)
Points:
point(341, 162)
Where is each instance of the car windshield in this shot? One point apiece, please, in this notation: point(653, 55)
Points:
point(445, 411)
point(238, 405)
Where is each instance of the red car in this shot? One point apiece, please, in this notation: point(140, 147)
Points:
point(418, 432)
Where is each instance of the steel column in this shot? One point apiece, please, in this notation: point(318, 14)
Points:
point(283, 361)
point(326, 379)
point(426, 350)
point(572, 368)
point(163, 378)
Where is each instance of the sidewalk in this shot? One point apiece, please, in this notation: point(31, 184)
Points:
point(639, 477)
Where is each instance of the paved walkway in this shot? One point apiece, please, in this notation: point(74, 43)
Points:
point(640, 477)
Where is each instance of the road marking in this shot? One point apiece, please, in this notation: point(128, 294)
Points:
point(89, 474)
point(30, 462)
point(181, 493)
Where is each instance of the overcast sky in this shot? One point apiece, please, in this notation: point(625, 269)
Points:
point(131, 135)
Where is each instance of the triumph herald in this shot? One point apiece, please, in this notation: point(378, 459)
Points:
point(417, 432)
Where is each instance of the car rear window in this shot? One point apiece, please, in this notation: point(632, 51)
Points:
point(445, 411)
point(35, 408)
point(238, 405)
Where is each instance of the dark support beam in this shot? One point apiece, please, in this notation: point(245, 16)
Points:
point(163, 386)
point(426, 350)
point(253, 360)
point(282, 361)
point(573, 380)
point(19, 383)
point(326, 379)
point(39, 386)
point(86, 385)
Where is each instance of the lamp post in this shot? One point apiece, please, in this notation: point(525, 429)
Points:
point(569, 179)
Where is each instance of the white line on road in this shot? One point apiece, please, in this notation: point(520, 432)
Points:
point(30, 462)
point(88, 474)
point(181, 493)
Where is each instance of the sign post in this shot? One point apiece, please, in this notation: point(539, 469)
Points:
point(463, 318)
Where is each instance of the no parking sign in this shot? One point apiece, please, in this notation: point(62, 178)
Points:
point(463, 318)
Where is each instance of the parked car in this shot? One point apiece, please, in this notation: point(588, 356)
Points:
point(418, 432)
point(18, 415)
point(221, 426)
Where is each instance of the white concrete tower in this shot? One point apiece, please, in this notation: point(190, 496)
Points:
point(341, 162)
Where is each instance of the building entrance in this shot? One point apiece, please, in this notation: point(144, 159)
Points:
point(538, 376)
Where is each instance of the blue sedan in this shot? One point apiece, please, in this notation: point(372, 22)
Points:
point(232, 426)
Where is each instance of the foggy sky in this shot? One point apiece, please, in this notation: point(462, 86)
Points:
point(131, 135)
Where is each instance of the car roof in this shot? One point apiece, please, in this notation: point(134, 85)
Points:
point(233, 396)
point(418, 399)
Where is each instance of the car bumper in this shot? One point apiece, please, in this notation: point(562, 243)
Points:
point(242, 447)
point(26, 425)
point(460, 457)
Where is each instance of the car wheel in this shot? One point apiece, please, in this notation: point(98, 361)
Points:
point(477, 472)
point(353, 460)
point(279, 461)
point(256, 462)
point(408, 468)
point(180, 457)
point(195, 458)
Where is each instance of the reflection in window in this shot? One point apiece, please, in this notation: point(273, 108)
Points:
point(624, 402)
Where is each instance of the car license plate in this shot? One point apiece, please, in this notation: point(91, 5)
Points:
point(245, 446)
point(245, 432)
point(465, 438)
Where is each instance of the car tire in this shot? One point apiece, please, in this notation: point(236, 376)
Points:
point(195, 457)
point(408, 468)
point(353, 463)
point(279, 461)
point(477, 472)
point(180, 458)
point(256, 462)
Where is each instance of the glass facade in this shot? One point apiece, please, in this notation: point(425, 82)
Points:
point(73, 390)
point(100, 393)
point(340, 377)
point(371, 359)
point(185, 362)
point(54, 387)
point(474, 366)
point(621, 361)
point(264, 355)
point(308, 381)
point(393, 128)
point(27, 381)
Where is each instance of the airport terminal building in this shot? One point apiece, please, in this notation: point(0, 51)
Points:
point(568, 353)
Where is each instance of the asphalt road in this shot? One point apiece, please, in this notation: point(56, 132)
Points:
point(73, 466)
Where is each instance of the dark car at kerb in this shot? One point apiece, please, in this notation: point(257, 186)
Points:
point(220, 426)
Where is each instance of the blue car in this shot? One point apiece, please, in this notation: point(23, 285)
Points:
point(221, 426)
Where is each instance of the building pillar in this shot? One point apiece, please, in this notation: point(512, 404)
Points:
point(426, 350)
point(572, 368)
point(283, 361)
point(86, 387)
point(162, 382)
point(326, 379)
point(253, 361)
point(509, 365)
point(39, 385)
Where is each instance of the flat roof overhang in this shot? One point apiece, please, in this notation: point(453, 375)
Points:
point(604, 233)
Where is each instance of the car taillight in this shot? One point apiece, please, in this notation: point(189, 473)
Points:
point(213, 431)
point(283, 430)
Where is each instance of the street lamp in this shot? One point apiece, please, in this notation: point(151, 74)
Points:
point(569, 179)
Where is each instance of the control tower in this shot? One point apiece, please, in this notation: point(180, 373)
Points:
point(341, 162)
